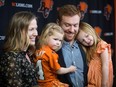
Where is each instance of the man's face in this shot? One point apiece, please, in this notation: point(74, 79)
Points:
point(70, 25)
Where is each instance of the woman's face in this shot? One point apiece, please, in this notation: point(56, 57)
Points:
point(85, 39)
point(32, 31)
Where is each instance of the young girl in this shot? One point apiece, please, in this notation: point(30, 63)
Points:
point(100, 73)
point(46, 58)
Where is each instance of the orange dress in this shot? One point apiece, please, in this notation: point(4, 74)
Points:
point(46, 62)
point(95, 67)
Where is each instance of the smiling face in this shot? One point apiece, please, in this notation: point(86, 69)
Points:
point(55, 41)
point(85, 38)
point(70, 25)
point(32, 31)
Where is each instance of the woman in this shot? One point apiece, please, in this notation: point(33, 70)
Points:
point(16, 69)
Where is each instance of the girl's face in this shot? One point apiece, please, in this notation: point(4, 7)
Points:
point(32, 31)
point(55, 41)
point(85, 39)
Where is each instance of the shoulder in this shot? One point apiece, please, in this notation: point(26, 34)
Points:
point(12, 58)
point(45, 52)
point(10, 54)
point(102, 45)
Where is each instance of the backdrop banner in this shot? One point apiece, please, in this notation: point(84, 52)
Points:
point(98, 13)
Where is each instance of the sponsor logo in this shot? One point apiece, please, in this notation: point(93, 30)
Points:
point(108, 34)
point(23, 5)
point(2, 37)
point(83, 6)
point(98, 30)
point(107, 11)
point(95, 11)
point(45, 7)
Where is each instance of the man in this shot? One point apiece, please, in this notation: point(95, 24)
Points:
point(71, 52)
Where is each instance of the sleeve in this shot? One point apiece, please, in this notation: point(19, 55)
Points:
point(13, 72)
point(102, 45)
point(53, 60)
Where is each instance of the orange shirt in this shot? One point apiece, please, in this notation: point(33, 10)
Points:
point(95, 67)
point(47, 64)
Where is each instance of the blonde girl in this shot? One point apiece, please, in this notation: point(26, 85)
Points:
point(100, 73)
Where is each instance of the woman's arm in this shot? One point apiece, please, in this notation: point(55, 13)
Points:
point(13, 72)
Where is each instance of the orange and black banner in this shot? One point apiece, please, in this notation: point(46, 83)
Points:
point(101, 14)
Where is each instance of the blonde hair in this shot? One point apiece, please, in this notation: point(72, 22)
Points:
point(17, 36)
point(89, 30)
point(49, 30)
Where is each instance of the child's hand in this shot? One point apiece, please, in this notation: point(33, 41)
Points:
point(72, 68)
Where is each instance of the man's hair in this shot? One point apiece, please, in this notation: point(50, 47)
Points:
point(68, 10)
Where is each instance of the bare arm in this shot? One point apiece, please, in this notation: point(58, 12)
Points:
point(105, 67)
point(63, 70)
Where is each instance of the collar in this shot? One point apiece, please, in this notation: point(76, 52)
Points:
point(74, 45)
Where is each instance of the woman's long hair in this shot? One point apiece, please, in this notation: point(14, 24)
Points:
point(17, 38)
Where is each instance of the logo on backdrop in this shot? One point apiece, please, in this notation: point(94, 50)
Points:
point(22, 5)
point(98, 30)
point(45, 7)
point(107, 11)
point(2, 2)
point(83, 6)
point(2, 38)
